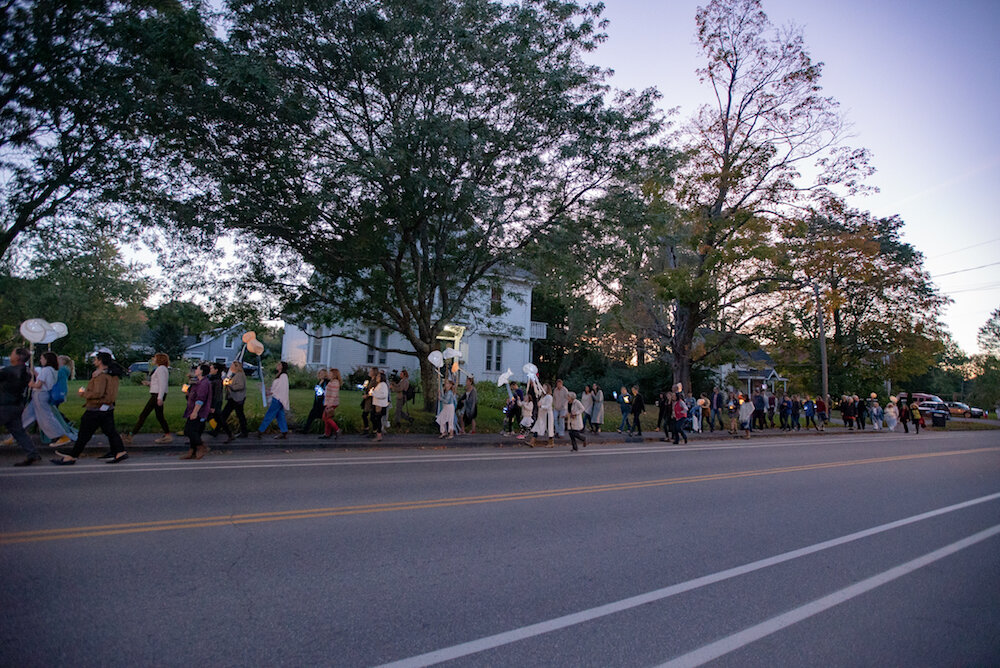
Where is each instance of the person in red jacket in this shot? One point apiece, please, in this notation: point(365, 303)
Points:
point(680, 418)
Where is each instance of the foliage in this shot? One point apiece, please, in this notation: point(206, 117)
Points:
point(744, 172)
point(435, 140)
point(89, 288)
point(94, 96)
point(880, 306)
point(988, 337)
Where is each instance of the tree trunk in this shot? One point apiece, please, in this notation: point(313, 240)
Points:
point(684, 326)
point(429, 384)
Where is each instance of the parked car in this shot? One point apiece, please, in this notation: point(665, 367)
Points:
point(138, 367)
point(920, 397)
point(965, 410)
point(931, 409)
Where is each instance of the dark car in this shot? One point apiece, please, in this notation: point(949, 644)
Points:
point(965, 410)
point(932, 409)
point(138, 367)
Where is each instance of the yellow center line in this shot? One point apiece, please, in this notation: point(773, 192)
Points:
point(316, 513)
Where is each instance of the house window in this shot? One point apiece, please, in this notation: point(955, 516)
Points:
point(383, 356)
point(494, 354)
point(315, 348)
point(221, 360)
point(370, 358)
point(229, 341)
point(496, 300)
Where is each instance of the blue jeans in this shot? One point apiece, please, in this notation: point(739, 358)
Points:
point(625, 423)
point(275, 411)
point(559, 415)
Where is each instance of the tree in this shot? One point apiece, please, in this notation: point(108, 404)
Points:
point(767, 147)
point(94, 104)
point(437, 140)
point(879, 303)
point(988, 337)
point(172, 322)
point(88, 287)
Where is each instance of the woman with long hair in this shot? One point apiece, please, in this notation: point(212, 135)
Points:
point(236, 396)
point(331, 401)
point(100, 396)
point(40, 409)
point(278, 408)
point(158, 383)
point(380, 402)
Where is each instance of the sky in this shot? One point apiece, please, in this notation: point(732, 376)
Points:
point(919, 82)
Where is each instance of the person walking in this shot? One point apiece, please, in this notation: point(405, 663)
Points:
point(380, 402)
point(401, 388)
point(575, 421)
point(158, 382)
point(796, 410)
point(470, 406)
point(587, 400)
point(319, 399)
point(280, 403)
point(733, 410)
point(197, 411)
point(14, 379)
point(717, 403)
point(876, 414)
point(527, 412)
point(236, 396)
point(891, 414)
point(822, 413)
point(39, 408)
point(446, 416)
point(680, 412)
point(215, 374)
point(747, 412)
point(60, 391)
point(560, 405)
point(100, 395)
point(915, 416)
point(597, 410)
point(331, 401)
point(638, 408)
point(626, 409)
point(544, 423)
point(809, 408)
point(759, 412)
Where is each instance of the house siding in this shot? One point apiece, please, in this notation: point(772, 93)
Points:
point(347, 355)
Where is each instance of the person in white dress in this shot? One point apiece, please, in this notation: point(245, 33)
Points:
point(545, 424)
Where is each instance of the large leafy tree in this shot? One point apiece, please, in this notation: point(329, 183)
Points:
point(436, 141)
point(767, 147)
point(96, 98)
point(880, 307)
point(89, 287)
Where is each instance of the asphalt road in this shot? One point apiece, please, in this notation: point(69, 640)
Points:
point(861, 549)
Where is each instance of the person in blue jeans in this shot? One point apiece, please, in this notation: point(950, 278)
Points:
point(624, 403)
point(279, 405)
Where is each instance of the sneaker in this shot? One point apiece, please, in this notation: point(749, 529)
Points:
point(7, 441)
point(28, 461)
point(62, 440)
point(166, 438)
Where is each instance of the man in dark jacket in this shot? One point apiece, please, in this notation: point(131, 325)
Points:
point(14, 380)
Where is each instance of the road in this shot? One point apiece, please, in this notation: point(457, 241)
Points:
point(861, 549)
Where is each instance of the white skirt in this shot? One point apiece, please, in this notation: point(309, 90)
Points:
point(446, 418)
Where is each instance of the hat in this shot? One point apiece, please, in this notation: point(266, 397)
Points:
point(102, 350)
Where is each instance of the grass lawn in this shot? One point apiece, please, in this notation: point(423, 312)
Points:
point(132, 398)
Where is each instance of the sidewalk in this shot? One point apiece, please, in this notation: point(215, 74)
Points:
point(294, 441)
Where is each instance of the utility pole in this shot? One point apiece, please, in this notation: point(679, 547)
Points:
point(822, 343)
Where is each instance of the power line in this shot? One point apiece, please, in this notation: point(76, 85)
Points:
point(962, 271)
point(959, 250)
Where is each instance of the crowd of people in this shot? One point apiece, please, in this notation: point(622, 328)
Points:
point(536, 412)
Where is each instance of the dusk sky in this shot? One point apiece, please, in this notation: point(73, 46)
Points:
point(918, 79)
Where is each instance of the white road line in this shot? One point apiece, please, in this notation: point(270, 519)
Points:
point(143, 465)
point(532, 630)
point(736, 641)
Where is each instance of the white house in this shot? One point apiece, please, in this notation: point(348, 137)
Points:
point(488, 348)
